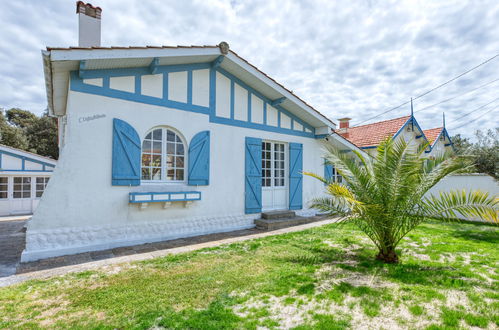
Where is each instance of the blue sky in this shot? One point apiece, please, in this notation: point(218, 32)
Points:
point(346, 58)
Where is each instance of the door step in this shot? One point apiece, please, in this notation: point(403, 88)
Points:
point(272, 224)
point(278, 214)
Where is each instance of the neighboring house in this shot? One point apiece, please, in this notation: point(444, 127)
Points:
point(368, 137)
point(23, 178)
point(166, 142)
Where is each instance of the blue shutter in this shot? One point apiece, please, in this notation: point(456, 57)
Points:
point(126, 154)
point(328, 171)
point(253, 185)
point(295, 176)
point(199, 159)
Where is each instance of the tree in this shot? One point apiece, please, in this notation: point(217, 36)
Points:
point(24, 130)
point(385, 197)
point(485, 151)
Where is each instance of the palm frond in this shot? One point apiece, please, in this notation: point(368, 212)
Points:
point(456, 203)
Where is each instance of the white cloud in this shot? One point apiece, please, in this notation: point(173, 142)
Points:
point(346, 58)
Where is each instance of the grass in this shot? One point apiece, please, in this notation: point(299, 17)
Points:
point(321, 278)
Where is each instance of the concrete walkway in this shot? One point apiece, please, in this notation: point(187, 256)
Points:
point(175, 247)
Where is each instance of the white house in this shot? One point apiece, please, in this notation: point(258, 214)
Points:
point(167, 142)
point(23, 178)
point(368, 137)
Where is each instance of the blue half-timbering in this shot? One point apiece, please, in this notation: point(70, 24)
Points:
point(274, 117)
point(199, 159)
point(45, 167)
point(253, 175)
point(126, 154)
point(295, 176)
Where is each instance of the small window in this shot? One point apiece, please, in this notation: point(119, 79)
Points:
point(163, 156)
point(4, 187)
point(41, 183)
point(22, 187)
point(273, 164)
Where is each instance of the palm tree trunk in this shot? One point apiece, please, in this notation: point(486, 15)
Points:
point(388, 255)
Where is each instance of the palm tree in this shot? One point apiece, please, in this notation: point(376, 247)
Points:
point(386, 196)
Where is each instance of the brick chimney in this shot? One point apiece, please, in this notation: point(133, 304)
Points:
point(344, 125)
point(89, 18)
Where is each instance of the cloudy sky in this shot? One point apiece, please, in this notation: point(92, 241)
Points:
point(346, 58)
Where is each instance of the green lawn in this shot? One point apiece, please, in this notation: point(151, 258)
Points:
point(321, 278)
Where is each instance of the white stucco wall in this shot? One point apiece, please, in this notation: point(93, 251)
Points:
point(82, 211)
point(469, 182)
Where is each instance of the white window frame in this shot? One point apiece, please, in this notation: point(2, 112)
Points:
point(164, 168)
point(6, 185)
point(45, 182)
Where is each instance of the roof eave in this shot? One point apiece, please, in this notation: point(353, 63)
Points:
point(47, 71)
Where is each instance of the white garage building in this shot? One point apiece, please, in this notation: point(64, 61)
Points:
point(23, 178)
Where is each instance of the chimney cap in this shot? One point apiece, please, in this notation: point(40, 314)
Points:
point(88, 9)
point(345, 119)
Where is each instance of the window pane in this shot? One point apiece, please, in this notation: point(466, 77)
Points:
point(146, 160)
point(157, 134)
point(170, 174)
point(156, 173)
point(26, 180)
point(3, 179)
point(26, 194)
point(17, 187)
point(39, 180)
point(156, 160)
point(17, 194)
point(180, 162)
point(39, 193)
point(3, 194)
point(177, 138)
point(26, 186)
point(156, 147)
point(170, 136)
point(146, 146)
point(179, 175)
point(170, 148)
point(148, 136)
point(17, 180)
point(40, 186)
point(180, 149)
point(146, 174)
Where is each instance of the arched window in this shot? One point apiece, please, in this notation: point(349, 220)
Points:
point(163, 156)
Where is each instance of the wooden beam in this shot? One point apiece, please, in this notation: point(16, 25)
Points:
point(217, 62)
point(277, 101)
point(153, 67)
point(81, 70)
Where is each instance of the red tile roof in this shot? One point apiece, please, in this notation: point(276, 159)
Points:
point(196, 46)
point(432, 133)
point(372, 134)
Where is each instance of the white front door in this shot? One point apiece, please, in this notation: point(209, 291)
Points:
point(274, 176)
point(20, 202)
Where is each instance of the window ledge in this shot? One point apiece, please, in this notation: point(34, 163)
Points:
point(166, 197)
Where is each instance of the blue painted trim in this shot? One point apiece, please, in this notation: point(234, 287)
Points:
point(133, 200)
point(81, 70)
point(217, 62)
point(23, 166)
point(265, 113)
point(199, 160)
point(278, 101)
point(34, 171)
point(189, 87)
point(245, 124)
point(249, 106)
point(419, 136)
point(232, 97)
point(264, 99)
point(138, 84)
point(153, 67)
point(369, 147)
point(77, 85)
point(23, 158)
point(321, 136)
point(123, 72)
